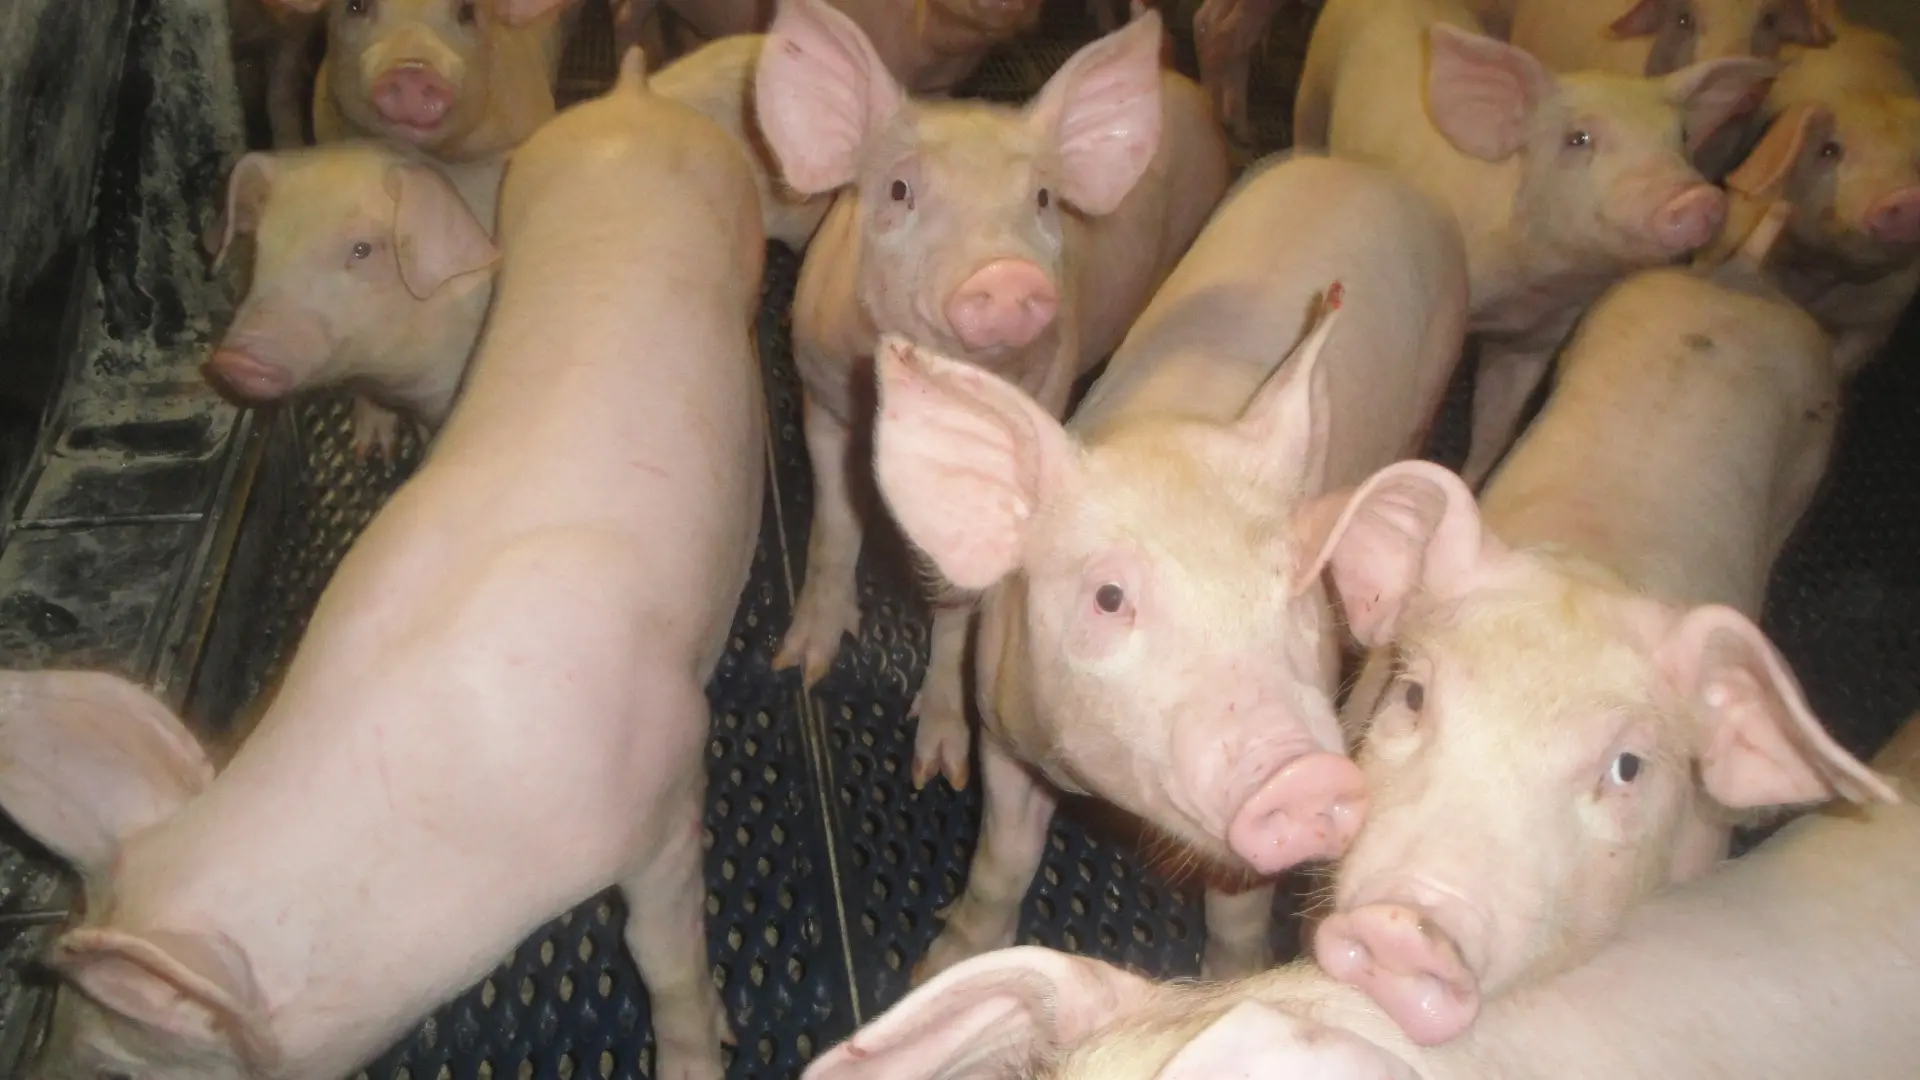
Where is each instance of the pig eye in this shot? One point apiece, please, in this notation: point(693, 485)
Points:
point(1831, 150)
point(1579, 137)
point(1684, 20)
point(362, 249)
point(901, 193)
point(359, 7)
point(1625, 768)
point(465, 13)
point(1769, 21)
point(1044, 198)
point(1109, 598)
point(1415, 695)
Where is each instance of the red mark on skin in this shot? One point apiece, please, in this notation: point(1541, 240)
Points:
point(858, 1052)
point(654, 469)
point(1336, 293)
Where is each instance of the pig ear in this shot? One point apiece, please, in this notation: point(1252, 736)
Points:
point(1287, 417)
point(247, 190)
point(1765, 172)
point(964, 459)
point(1102, 112)
point(820, 89)
point(1807, 22)
point(435, 233)
point(1023, 1002)
point(520, 12)
point(1644, 19)
point(88, 759)
point(1712, 92)
point(1482, 92)
point(193, 989)
point(1410, 526)
point(1256, 1039)
point(1763, 745)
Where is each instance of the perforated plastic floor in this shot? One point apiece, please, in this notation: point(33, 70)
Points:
point(825, 869)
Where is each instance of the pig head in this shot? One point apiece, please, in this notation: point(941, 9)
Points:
point(1176, 644)
point(1518, 809)
point(1688, 31)
point(963, 208)
point(363, 263)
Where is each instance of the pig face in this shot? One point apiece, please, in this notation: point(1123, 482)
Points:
point(1532, 765)
point(961, 205)
point(1604, 158)
point(1688, 31)
point(1179, 664)
point(349, 244)
point(1852, 172)
point(87, 761)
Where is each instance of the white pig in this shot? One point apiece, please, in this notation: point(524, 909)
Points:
point(1800, 960)
point(1569, 697)
point(1021, 239)
point(1152, 636)
point(460, 79)
point(498, 708)
point(371, 269)
point(1844, 152)
point(1562, 184)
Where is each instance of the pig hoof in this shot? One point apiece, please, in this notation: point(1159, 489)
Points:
point(376, 430)
point(941, 745)
point(814, 638)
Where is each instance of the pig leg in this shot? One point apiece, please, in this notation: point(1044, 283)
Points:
point(1238, 944)
point(376, 428)
point(942, 740)
point(1013, 836)
point(1501, 387)
point(829, 602)
point(667, 934)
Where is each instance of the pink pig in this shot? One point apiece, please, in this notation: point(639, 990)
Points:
point(1657, 37)
point(1800, 960)
point(1151, 635)
point(498, 709)
point(460, 79)
point(1569, 699)
point(370, 269)
point(1023, 240)
point(1561, 184)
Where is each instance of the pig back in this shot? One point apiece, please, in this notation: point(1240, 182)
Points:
point(1688, 430)
point(1240, 299)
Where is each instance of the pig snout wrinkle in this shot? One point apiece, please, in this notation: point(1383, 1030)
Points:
point(246, 376)
point(1309, 809)
point(1400, 957)
point(1005, 304)
point(414, 95)
point(1895, 219)
point(1690, 219)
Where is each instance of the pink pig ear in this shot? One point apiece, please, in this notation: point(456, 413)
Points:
point(88, 759)
point(435, 233)
point(1410, 526)
point(1482, 93)
point(192, 990)
point(1645, 18)
point(1288, 416)
point(819, 91)
point(1023, 1002)
point(1256, 1039)
point(1102, 113)
point(1763, 745)
point(964, 459)
point(247, 189)
point(1713, 92)
point(1769, 166)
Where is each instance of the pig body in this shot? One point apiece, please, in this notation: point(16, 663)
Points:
point(1844, 152)
point(1146, 637)
point(1631, 589)
point(1023, 240)
point(1561, 184)
point(1797, 960)
point(460, 79)
point(717, 80)
point(372, 269)
point(498, 708)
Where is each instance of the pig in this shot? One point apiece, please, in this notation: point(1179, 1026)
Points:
point(1024, 240)
point(1149, 634)
point(1801, 959)
point(1519, 809)
point(717, 80)
point(459, 79)
point(285, 35)
point(1659, 37)
point(1844, 152)
point(1562, 184)
point(498, 708)
point(372, 268)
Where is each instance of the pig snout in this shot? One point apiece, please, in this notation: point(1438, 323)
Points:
point(246, 376)
point(1401, 956)
point(1005, 304)
point(413, 95)
point(1895, 219)
point(1690, 219)
point(1309, 809)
